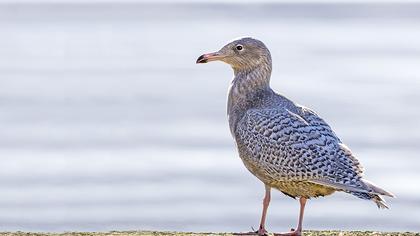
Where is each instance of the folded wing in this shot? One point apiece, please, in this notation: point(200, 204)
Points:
point(300, 146)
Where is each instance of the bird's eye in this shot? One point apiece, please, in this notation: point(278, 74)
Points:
point(239, 47)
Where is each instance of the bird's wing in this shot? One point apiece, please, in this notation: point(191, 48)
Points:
point(315, 120)
point(299, 146)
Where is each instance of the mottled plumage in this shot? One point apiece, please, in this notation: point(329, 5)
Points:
point(297, 153)
point(285, 145)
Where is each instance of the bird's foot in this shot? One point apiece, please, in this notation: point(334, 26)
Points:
point(292, 232)
point(262, 232)
point(246, 233)
point(259, 232)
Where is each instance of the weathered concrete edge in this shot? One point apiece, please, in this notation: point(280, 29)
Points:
point(166, 233)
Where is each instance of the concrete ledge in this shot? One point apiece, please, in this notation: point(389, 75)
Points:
point(163, 233)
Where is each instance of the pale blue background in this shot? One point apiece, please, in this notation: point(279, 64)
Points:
point(107, 123)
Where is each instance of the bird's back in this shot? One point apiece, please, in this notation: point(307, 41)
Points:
point(289, 147)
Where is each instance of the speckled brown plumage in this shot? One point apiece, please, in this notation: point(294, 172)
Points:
point(285, 145)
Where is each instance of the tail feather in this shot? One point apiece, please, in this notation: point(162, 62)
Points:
point(365, 190)
point(362, 186)
point(380, 202)
point(377, 189)
point(374, 194)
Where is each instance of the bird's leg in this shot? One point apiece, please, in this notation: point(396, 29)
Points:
point(266, 201)
point(298, 231)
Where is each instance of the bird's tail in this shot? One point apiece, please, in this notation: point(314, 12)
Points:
point(373, 194)
point(377, 189)
point(380, 202)
point(363, 189)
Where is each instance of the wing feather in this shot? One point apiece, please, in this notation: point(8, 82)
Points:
point(297, 145)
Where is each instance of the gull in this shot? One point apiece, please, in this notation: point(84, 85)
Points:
point(287, 146)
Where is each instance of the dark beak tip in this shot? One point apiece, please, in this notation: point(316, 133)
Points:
point(201, 59)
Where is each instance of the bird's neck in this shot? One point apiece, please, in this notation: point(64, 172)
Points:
point(251, 80)
point(246, 91)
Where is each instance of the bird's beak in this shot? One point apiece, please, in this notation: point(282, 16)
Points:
point(214, 56)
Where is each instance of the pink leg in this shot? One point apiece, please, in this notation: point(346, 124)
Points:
point(266, 201)
point(298, 231)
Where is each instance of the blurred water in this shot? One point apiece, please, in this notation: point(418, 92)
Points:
point(106, 123)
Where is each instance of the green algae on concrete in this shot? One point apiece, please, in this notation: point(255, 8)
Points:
point(163, 233)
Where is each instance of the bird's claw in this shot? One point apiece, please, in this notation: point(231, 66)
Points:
point(246, 233)
point(259, 232)
point(291, 233)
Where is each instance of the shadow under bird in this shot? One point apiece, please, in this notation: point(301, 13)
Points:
point(285, 145)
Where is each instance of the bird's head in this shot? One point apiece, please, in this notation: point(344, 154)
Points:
point(242, 54)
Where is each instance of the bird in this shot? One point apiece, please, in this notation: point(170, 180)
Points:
point(287, 146)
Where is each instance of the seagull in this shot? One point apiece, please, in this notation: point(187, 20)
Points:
point(287, 146)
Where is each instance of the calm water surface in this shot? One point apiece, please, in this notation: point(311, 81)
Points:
point(106, 123)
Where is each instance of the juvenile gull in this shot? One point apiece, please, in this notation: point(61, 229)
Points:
point(286, 146)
